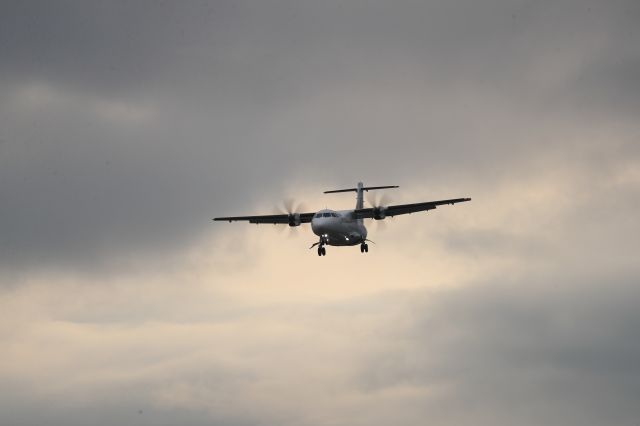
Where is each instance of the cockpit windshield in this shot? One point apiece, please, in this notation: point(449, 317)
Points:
point(326, 214)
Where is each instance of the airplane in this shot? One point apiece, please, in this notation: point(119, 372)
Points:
point(344, 227)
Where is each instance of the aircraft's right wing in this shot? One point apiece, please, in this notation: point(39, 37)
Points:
point(271, 218)
point(398, 209)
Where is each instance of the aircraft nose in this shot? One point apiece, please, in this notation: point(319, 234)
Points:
point(319, 225)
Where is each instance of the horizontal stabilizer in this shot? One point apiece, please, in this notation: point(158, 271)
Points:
point(366, 188)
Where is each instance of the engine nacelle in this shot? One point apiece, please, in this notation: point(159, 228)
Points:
point(294, 219)
point(379, 213)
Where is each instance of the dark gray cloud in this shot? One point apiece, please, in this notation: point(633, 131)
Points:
point(240, 97)
point(120, 47)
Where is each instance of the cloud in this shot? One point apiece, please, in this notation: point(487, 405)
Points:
point(126, 127)
point(531, 349)
point(139, 112)
point(425, 329)
point(484, 352)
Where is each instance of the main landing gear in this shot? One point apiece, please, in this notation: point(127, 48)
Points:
point(364, 248)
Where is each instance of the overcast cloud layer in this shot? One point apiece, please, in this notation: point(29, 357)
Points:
point(126, 126)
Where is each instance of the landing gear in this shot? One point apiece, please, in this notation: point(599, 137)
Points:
point(321, 250)
point(364, 248)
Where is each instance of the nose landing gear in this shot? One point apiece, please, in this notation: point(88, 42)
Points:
point(364, 248)
point(321, 250)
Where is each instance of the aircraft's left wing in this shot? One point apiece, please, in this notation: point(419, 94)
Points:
point(382, 212)
point(290, 219)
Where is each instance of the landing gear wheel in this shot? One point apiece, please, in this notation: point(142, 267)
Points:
point(324, 251)
point(319, 251)
point(364, 248)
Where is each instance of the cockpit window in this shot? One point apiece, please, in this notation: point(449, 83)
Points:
point(334, 214)
point(326, 214)
point(318, 215)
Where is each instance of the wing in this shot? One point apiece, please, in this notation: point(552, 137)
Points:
point(270, 218)
point(382, 212)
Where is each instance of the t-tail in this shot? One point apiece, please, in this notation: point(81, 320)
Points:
point(359, 190)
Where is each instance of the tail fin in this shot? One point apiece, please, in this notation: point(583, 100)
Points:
point(359, 190)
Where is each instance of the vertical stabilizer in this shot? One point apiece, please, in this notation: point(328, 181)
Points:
point(359, 196)
point(359, 191)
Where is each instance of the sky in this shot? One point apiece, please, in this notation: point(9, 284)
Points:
point(126, 126)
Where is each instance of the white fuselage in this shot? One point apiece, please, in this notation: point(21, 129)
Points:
point(338, 228)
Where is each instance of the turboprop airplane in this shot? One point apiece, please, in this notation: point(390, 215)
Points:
point(344, 227)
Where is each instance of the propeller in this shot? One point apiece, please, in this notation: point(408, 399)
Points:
point(291, 208)
point(378, 200)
